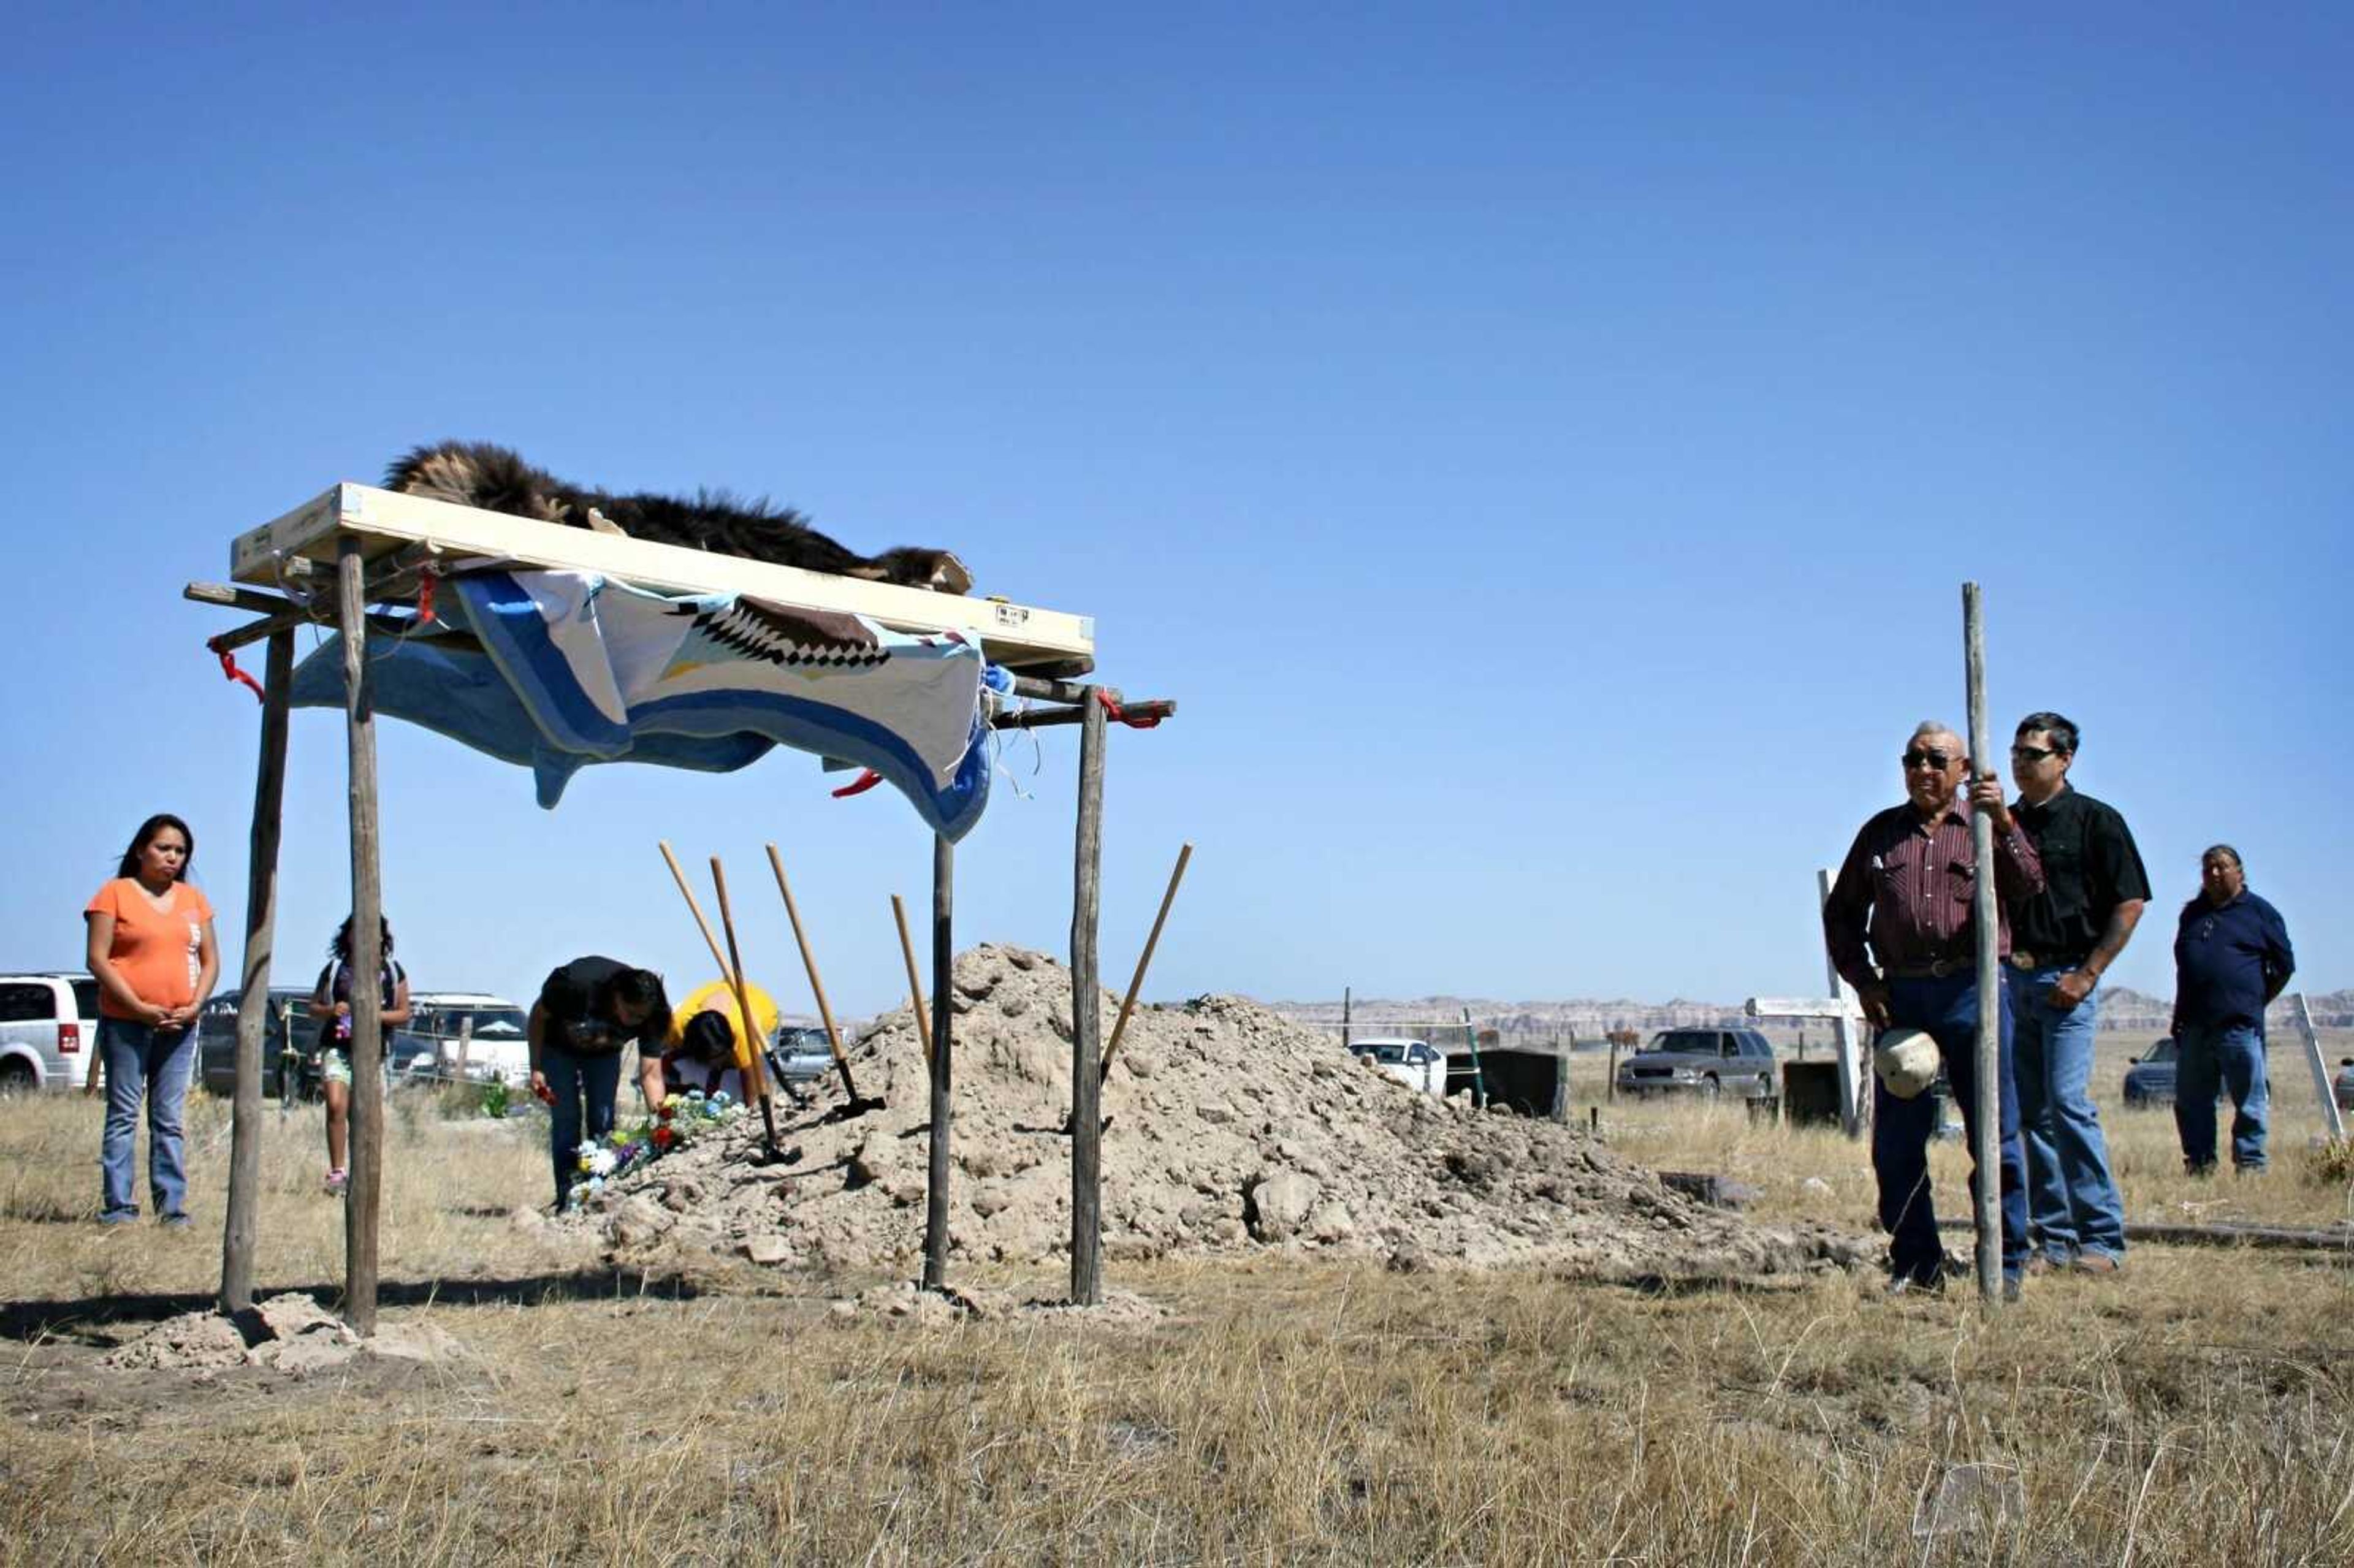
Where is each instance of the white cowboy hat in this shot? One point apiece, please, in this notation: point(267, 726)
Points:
point(1906, 1061)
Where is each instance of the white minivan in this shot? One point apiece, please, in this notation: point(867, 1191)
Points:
point(1416, 1064)
point(48, 1031)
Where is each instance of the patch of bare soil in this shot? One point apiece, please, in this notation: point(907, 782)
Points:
point(1231, 1130)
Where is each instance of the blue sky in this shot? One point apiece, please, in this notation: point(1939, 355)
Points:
point(1540, 447)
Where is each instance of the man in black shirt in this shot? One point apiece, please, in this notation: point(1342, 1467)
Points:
point(588, 1010)
point(2062, 938)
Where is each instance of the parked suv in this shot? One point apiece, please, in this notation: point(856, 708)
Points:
point(48, 1031)
point(1711, 1061)
point(1416, 1064)
point(2151, 1079)
point(216, 1039)
point(801, 1054)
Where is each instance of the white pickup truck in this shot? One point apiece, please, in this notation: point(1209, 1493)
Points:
point(1416, 1064)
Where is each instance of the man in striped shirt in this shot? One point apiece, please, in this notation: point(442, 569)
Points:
point(1899, 923)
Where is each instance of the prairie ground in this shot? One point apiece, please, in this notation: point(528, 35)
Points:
point(2198, 1407)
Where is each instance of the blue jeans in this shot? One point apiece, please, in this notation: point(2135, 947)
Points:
point(1948, 1010)
point(2072, 1204)
point(575, 1078)
point(2210, 1055)
point(144, 1061)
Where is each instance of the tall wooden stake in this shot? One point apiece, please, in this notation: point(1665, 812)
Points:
point(364, 1196)
point(1087, 1018)
point(253, 998)
point(817, 984)
point(754, 1078)
point(936, 1182)
point(1986, 1146)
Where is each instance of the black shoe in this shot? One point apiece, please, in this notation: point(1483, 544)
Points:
point(1913, 1285)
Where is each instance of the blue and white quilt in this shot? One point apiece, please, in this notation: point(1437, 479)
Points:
point(578, 669)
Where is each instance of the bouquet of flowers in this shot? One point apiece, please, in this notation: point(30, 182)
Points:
point(679, 1122)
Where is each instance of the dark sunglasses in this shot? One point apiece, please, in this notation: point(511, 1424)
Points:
point(1926, 759)
point(2033, 753)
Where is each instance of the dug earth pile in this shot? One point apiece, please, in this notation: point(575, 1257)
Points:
point(1231, 1131)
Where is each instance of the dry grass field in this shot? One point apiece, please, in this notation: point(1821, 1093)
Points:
point(2199, 1407)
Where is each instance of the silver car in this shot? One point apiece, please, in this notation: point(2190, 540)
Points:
point(1707, 1062)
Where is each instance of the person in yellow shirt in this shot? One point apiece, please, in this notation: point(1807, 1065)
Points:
point(707, 1047)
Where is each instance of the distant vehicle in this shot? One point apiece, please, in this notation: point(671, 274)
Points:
point(48, 1031)
point(2149, 1082)
point(1706, 1062)
point(437, 1023)
point(800, 1053)
point(216, 1039)
point(1416, 1064)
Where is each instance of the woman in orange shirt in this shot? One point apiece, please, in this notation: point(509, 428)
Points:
point(152, 949)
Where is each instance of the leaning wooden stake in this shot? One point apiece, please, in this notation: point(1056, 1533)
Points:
point(1986, 1147)
point(754, 1078)
point(363, 1197)
point(817, 987)
point(1086, 1017)
point(936, 1183)
point(701, 925)
point(253, 998)
point(1144, 961)
point(914, 982)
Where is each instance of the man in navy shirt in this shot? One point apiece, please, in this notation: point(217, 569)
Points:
point(2231, 957)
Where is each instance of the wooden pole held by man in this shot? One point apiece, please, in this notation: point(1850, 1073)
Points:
point(253, 998)
point(1986, 1147)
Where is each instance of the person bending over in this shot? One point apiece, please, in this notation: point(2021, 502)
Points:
point(587, 1011)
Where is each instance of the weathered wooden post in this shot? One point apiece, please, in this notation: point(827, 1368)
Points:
point(465, 1044)
point(936, 1186)
point(2332, 1122)
point(1847, 1031)
point(1087, 1016)
point(253, 1000)
point(365, 1194)
point(1986, 1145)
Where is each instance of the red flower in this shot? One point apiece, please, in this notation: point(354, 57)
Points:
point(666, 1109)
point(664, 1138)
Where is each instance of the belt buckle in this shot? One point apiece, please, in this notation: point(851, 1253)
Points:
point(1940, 968)
point(2019, 960)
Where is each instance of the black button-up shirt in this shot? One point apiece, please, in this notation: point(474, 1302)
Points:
point(2090, 866)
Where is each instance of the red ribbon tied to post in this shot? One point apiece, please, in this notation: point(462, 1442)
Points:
point(230, 671)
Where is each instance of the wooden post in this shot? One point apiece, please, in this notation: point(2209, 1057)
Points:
point(1847, 1032)
point(1346, 999)
point(936, 1183)
point(1086, 1019)
point(1144, 960)
point(364, 1196)
point(2332, 1122)
point(253, 998)
point(1610, 1084)
point(695, 909)
point(465, 1045)
point(1986, 1147)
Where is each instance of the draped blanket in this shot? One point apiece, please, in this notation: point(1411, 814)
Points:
point(564, 669)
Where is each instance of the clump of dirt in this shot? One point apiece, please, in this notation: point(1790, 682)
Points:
point(288, 1333)
point(1231, 1130)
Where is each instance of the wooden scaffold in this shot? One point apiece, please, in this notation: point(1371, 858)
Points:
point(381, 550)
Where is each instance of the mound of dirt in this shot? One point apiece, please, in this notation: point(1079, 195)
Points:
point(288, 1333)
point(1231, 1130)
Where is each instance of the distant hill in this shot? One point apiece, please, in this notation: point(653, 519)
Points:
point(2122, 1008)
